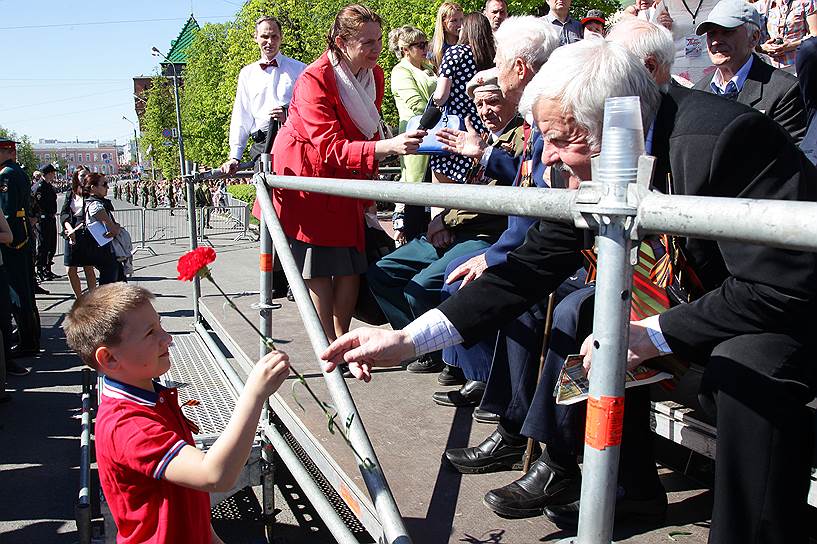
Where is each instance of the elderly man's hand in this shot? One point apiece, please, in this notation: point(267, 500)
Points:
point(665, 20)
point(279, 114)
point(366, 348)
point(467, 143)
point(640, 349)
point(469, 270)
point(229, 167)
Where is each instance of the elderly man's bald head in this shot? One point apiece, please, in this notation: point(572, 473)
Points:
point(649, 42)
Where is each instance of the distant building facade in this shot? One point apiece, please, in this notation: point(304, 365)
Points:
point(99, 156)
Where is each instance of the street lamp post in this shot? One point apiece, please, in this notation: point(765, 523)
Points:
point(183, 170)
point(136, 142)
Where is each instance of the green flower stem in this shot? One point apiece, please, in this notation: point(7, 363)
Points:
point(330, 417)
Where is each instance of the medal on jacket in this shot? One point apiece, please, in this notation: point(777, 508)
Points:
point(525, 172)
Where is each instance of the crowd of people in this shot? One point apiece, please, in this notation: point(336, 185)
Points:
point(466, 294)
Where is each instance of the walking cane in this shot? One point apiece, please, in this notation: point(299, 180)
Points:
point(545, 343)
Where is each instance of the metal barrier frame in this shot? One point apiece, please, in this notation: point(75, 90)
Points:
point(620, 214)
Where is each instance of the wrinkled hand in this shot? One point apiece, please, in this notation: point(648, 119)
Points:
point(469, 270)
point(278, 114)
point(640, 349)
point(366, 348)
point(407, 143)
point(229, 167)
point(467, 143)
point(268, 374)
point(665, 20)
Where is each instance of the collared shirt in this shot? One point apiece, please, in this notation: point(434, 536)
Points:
point(787, 20)
point(733, 85)
point(259, 91)
point(570, 31)
point(138, 434)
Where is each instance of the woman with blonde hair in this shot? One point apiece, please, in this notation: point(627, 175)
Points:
point(412, 83)
point(446, 30)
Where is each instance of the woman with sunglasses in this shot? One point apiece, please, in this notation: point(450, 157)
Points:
point(77, 246)
point(99, 208)
point(412, 84)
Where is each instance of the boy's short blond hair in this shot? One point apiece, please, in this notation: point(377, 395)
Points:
point(96, 318)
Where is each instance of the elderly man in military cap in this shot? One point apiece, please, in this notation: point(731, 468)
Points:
point(407, 282)
point(44, 203)
point(15, 198)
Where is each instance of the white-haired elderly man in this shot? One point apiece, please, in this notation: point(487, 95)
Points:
point(753, 327)
point(650, 42)
point(732, 34)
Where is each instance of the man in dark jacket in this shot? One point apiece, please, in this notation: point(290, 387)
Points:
point(732, 33)
point(752, 329)
point(44, 199)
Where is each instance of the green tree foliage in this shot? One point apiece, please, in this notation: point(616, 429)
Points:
point(160, 114)
point(25, 151)
point(220, 51)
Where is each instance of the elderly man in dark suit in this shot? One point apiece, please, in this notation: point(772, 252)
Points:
point(753, 327)
point(732, 33)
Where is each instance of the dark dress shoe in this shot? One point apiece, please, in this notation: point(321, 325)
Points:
point(654, 508)
point(484, 416)
point(425, 365)
point(4, 398)
point(49, 275)
point(529, 495)
point(469, 394)
point(13, 369)
point(40, 291)
point(493, 454)
point(290, 296)
point(451, 375)
point(22, 351)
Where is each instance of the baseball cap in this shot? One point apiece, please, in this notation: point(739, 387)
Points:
point(729, 14)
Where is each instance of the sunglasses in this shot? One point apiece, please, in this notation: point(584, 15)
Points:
point(421, 45)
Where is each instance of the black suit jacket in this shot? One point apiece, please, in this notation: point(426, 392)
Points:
point(701, 144)
point(773, 92)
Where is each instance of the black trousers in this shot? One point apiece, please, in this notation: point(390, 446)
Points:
point(46, 242)
point(20, 267)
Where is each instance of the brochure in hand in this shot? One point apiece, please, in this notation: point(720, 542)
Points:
point(573, 386)
point(98, 230)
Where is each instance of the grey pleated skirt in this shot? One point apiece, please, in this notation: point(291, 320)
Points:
point(322, 261)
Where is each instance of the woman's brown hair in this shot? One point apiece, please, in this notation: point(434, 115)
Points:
point(347, 22)
point(476, 32)
point(91, 180)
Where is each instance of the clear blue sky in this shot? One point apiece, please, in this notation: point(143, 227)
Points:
point(63, 78)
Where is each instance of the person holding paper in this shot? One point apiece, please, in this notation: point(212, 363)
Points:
point(99, 210)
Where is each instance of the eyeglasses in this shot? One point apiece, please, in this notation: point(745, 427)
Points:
point(421, 45)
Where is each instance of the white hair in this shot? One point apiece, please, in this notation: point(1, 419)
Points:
point(644, 39)
point(529, 38)
point(582, 75)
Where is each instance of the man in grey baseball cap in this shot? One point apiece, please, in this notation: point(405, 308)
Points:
point(732, 33)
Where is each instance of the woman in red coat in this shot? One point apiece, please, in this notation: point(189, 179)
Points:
point(334, 130)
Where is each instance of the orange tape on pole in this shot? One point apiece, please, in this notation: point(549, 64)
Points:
point(265, 264)
point(605, 422)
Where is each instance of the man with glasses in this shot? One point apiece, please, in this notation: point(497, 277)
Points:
point(264, 90)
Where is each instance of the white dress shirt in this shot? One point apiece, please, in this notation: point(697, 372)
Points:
point(259, 91)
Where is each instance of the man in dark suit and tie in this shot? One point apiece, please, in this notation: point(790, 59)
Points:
point(753, 327)
point(732, 33)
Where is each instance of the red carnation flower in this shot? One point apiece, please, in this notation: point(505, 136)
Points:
point(194, 263)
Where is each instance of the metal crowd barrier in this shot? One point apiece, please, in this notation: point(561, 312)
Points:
point(621, 213)
point(83, 508)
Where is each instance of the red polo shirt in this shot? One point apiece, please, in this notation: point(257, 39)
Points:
point(138, 433)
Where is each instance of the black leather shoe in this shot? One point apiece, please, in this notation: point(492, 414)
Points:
point(529, 495)
point(49, 275)
point(13, 369)
point(40, 291)
point(290, 296)
point(493, 454)
point(484, 416)
point(655, 508)
point(425, 365)
point(22, 351)
point(469, 394)
point(451, 375)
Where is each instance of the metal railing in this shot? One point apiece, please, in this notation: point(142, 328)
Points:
point(83, 508)
point(620, 214)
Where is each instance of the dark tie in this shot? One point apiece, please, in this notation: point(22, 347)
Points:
point(731, 91)
point(273, 63)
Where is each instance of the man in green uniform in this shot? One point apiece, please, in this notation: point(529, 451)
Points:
point(15, 199)
point(143, 192)
point(45, 208)
point(153, 198)
point(171, 196)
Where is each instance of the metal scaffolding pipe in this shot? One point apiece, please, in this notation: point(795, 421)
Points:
point(317, 499)
point(384, 503)
point(552, 203)
point(775, 223)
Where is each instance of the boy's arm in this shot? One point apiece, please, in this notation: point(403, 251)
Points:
point(218, 469)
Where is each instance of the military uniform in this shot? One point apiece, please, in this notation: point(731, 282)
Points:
point(44, 204)
point(15, 196)
point(143, 191)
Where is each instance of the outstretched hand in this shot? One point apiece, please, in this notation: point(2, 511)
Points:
point(467, 143)
point(468, 271)
point(365, 348)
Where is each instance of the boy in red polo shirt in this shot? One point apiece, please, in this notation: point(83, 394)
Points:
point(155, 480)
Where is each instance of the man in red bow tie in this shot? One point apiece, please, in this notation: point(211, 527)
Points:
point(264, 90)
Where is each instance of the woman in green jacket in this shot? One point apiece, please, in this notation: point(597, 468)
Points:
point(412, 84)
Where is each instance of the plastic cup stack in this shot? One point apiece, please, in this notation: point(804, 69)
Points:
point(622, 141)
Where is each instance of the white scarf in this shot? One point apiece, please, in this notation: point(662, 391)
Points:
point(357, 93)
